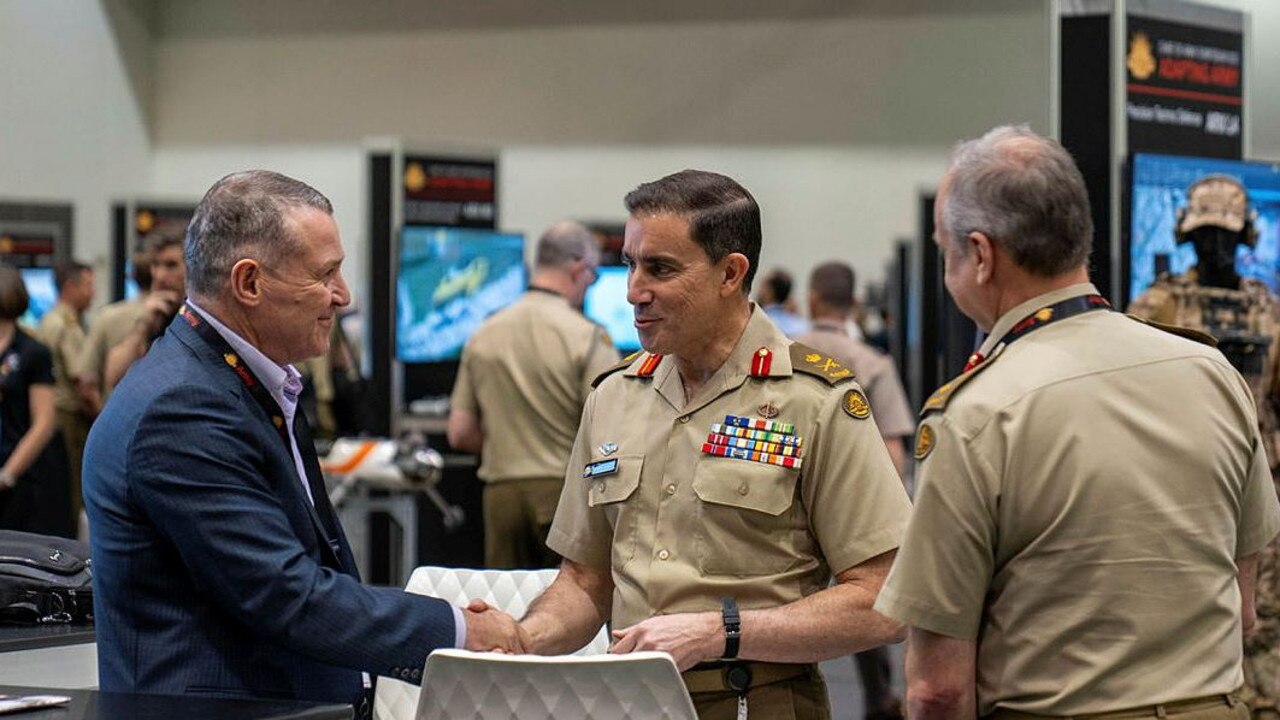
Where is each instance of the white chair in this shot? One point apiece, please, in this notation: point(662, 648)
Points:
point(486, 686)
point(508, 590)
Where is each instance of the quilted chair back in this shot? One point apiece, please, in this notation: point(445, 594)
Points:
point(485, 686)
point(508, 590)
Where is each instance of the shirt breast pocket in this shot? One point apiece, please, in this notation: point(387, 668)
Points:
point(748, 519)
point(610, 493)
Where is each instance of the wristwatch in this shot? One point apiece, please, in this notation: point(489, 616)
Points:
point(732, 627)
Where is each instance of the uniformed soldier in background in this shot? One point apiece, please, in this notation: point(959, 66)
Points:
point(111, 325)
point(62, 330)
point(524, 377)
point(831, 304)
point(1091, 494)
point(720, 478)
point(1244, 316)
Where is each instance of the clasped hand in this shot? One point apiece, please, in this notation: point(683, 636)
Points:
point(491, 630)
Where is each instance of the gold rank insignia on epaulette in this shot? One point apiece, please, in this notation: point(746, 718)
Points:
point(1184, 332)
point(622, 364)
point(937, 402)
point(806, 360)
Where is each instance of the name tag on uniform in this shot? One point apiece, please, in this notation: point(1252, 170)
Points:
point(602, 467)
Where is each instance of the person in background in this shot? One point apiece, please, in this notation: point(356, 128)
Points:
point(34, 484)
point(1091, 493)
point(62, 331)
point(774, 297)
point(110, 327)
point(525, 375)
point(720, 479)
point(831, 304)
point(220, 567)
point(168, 287)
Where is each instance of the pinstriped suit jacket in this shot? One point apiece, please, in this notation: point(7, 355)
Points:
point(212, 572)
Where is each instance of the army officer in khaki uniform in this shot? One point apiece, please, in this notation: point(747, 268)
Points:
point(720, 479)
point(524, 377)
point(1092, 492)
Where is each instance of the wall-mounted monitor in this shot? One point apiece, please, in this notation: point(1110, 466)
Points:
point(42, 290)
point(449, 281)
point(606, 303)
point(1158, 188)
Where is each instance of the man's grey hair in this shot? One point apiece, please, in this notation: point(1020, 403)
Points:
point(244, 215)
point(1026, 194)
point(565, 243)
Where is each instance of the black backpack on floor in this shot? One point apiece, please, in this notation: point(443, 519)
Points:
point(44, 579)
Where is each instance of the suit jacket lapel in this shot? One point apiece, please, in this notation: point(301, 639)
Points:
point(322, 512)
point(323, 519)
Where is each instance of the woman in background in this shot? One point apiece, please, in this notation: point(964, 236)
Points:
point(34, 485)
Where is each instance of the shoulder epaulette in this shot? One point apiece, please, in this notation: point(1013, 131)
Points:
point(622, 364)
point(1183, 332)
point(937, 402)
point(809, 361)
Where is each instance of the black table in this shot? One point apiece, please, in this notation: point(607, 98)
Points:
point(23, 637)
point(96, 705)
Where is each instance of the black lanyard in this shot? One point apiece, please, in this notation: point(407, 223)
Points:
point(242, 371)
point(1045, 316)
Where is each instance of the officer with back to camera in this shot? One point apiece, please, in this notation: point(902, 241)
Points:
point(524, 377)
point(1092, 492)
point(721, 478)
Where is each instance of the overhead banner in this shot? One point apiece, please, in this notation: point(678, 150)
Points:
point(1184, 89)
point(450, 192)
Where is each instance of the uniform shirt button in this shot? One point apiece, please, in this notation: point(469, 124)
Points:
point(743, 489)
point(663, 554)
point(684, 418)
point(600, 487)
point(671, 489)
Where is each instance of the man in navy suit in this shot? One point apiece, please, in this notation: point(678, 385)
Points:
point(220, 568)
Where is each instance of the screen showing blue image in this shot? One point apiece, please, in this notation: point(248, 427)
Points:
point(450, 280)
point(42, 290)
point(606, 303)
point(1159, 189)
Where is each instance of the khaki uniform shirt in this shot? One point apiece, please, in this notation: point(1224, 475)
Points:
point(61, 330)
point(1082, 498)
point(1246, 323)
point(110, 328)
point(875, 372)
point(526, 373)
point(681, 529)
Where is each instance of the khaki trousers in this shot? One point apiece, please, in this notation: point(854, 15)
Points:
point(75, 430)
point(517, 519)
point(801, 695)
point(1213, 707)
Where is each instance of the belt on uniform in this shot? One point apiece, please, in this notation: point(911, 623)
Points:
point(1208, 702)
point(729, 676)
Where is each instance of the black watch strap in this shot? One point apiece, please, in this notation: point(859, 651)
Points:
point(732, 627)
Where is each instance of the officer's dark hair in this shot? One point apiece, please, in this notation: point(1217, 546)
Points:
point(833, 283)
point(1025, 193)
point(158, 241)
point(244, 215)
point(780, 284)
point(723, 217)
point(14, 299)
point(66, 271)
